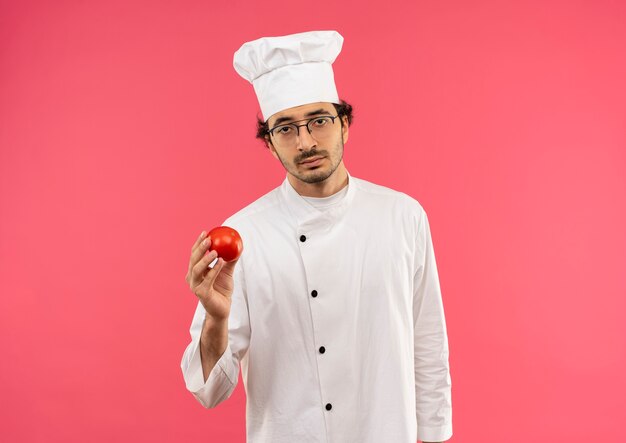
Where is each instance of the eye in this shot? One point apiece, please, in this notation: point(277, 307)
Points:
point(320, 121)
point(284, 130)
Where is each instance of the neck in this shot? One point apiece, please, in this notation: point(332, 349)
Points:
point(333, 184)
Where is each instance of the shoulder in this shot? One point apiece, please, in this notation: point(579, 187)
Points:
point(263, 207)
point(373, 193)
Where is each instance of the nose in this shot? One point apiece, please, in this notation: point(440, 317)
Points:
point(306, 142)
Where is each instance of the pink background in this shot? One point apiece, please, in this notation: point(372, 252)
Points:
point(125, 131)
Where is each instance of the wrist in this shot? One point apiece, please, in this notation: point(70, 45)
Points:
point(213, 324)
point(214, 337)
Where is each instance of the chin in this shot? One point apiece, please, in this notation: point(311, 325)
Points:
point(315, 176)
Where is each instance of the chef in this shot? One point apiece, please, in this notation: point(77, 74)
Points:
point(333, 311)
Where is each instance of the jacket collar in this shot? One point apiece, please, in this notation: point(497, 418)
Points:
point(306, 215)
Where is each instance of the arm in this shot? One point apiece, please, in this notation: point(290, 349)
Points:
point(213, 343)
point(210, 363)
point(432, 372)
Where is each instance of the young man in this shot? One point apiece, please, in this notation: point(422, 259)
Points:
point(334, 310)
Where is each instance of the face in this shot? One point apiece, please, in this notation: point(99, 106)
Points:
point(309, 159)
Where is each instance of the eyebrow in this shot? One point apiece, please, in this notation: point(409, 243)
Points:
point(308, 114)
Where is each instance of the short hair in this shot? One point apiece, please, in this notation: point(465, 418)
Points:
point(344, 109)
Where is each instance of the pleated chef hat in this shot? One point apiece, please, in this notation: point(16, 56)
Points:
point(290, 70)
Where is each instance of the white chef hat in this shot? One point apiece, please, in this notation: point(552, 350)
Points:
point(290, 70)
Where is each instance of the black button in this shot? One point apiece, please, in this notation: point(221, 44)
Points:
point(313, 293)
point(328, 406)
point(322, 349)
point(303, 238)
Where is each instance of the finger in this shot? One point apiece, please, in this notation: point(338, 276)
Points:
point(210, 277)
point(199, 251)
point(198, 240)
point(200, 269)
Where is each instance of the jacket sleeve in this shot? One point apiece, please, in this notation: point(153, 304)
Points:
point(223, 378)
point(432, 371)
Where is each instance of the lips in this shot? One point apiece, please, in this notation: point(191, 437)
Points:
point(311, 160)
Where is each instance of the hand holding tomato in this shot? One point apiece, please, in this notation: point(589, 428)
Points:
point(214, 286)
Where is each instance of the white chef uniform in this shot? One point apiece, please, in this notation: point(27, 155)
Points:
point(337, 321)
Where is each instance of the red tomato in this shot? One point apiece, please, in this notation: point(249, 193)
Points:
point(227, 242)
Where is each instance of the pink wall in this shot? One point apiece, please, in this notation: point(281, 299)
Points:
point(125, 131)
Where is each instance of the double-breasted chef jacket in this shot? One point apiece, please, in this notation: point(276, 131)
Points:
point(337, 321)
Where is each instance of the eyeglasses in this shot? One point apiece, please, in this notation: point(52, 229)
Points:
point(287, 134)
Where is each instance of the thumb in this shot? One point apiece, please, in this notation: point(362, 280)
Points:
point(229, 267)
point(212, 274)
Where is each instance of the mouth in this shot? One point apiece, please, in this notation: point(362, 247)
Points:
point(313, 161)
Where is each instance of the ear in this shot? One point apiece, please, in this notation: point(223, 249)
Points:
point(271, 147)
point(345, 130)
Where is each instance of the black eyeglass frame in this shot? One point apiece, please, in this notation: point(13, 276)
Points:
point(308, 121)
